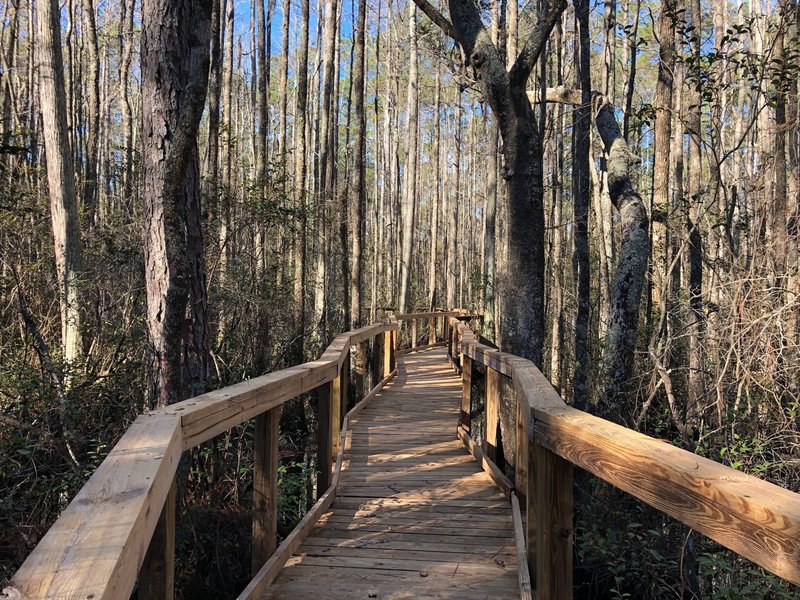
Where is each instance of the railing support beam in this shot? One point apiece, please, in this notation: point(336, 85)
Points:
point(387, 354)
point(325, 436)
point(265, 488)
point(554, 533)
point(492, 413)
point(465, 419)
point(157, 574)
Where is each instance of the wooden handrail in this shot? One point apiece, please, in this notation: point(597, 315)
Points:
point(754, 518)
point(97, 546)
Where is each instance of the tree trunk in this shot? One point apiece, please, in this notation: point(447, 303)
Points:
point(359, 180)
point(437, 194)
point(175, 61)
point(409, 204)
point(661, 145)
point(581, 193)
point(60, 175)
point(620, 343)
point(92, 110)
point(300, 200)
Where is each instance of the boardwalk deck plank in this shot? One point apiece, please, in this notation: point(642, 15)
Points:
point(415, 516)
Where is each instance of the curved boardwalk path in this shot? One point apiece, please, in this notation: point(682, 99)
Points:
point(415, 516)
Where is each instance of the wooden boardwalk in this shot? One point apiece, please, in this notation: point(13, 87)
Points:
point(415, 516)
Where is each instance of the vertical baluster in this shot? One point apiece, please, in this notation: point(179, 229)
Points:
point(466, 393)
point(344, 374)
point(553, 525)
point(325, 435)
point(492, 413)
point(265, 488)
point(375, 360)
point(157, 574)
point(413, 333)
point(387, 354)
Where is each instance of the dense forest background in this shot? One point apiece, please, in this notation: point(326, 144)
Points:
point(348, 165)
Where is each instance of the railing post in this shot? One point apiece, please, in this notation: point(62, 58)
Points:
point(345, 376)
point(157, 574)
point(325, 436)
point(393, 349)
point(413, 333)
point(336, 388)
point(375, 360)
point(449, 339)
point(359, 371)
point(553, 511)
point(265, 488)
point(465, 418)
point(431, 331)
point(523, 480)
point(387, 353)
point(492, 413)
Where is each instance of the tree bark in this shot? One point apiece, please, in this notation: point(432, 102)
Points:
point(409, 203)
point(620, 343)
point(60, 175)
point(175, 62)
point(90, 183)
point(359, 180)
point(299, 312)
point(581, 193)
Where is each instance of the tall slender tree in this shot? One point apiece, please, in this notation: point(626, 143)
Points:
point(60, 175)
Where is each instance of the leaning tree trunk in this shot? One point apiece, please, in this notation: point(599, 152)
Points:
point(626, 291)
point(175, 60)
point(60, 175)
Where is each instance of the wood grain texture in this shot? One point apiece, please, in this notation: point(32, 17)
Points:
point(525, 587)
point(96, 547)
point(465, 419)
point(157, 573)
point(396, 527)
point(265, 488)
point(492, 413)
point(553, 525)
point(754, 518)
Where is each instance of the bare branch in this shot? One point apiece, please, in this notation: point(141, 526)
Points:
point(437, 17)
point(536, 41)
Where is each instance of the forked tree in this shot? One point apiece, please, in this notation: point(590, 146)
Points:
point(522, 330)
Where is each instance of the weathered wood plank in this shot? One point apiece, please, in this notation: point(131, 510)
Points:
point(525, 587)
point(96, 547)
point(553, 525)
point(465, 419)
point(754, 518)
point(265, 488)
point(157, 573)
point(409, 493)
point(492, 413)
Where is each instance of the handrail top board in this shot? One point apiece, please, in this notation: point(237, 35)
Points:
point(755, 518)
point(97, 545)
point(436, 314)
